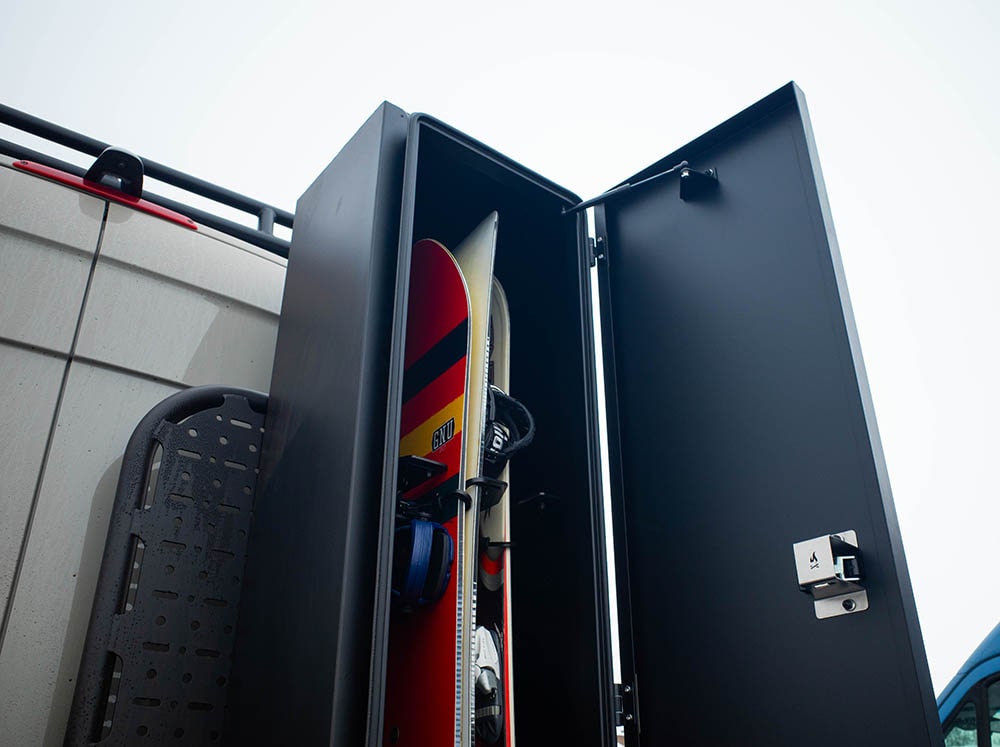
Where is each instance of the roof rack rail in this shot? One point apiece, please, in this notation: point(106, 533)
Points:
point(267, 215)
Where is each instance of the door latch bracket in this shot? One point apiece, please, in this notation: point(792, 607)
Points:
point(829, 569)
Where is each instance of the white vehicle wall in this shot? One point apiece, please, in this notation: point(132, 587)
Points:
point(104, 311)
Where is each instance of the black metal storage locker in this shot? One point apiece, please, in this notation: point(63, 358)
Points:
point(740, 427)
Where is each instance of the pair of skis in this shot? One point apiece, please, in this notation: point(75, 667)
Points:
point(457, 344)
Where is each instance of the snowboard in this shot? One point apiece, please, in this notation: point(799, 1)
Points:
point(429, 693)
point(493, 596)
point(422, 691)
point(475, 256)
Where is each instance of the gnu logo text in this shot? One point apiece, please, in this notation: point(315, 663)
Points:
point(443, 435)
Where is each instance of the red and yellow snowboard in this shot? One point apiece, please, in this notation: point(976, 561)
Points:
point(429, 696)
point(422, 689)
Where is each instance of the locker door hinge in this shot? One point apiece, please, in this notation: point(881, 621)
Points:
point(596, 250)
point(624, 703)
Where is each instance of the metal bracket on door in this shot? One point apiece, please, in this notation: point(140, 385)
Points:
point(624, 704)
point(697, 184)
point(829, 569)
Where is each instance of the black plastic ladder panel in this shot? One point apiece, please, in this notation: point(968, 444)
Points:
point(157, 659)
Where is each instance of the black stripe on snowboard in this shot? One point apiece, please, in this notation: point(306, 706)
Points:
point(445, 353)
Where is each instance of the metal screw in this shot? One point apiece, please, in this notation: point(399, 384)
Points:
point(628, 716)
point(627, 688)
point(850, 605)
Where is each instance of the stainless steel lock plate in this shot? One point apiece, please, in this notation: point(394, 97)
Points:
point(829, 568)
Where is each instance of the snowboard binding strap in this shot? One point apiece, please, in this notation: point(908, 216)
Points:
point(509, 428)
point(421, 563)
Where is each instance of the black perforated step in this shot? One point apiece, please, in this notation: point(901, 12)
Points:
point(156, 664)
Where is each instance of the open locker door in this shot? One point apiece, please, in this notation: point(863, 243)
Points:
point(740, 425)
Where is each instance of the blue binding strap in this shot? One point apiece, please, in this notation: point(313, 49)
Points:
point(420, 558)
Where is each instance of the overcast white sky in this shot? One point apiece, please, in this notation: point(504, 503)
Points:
point(904, 105)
